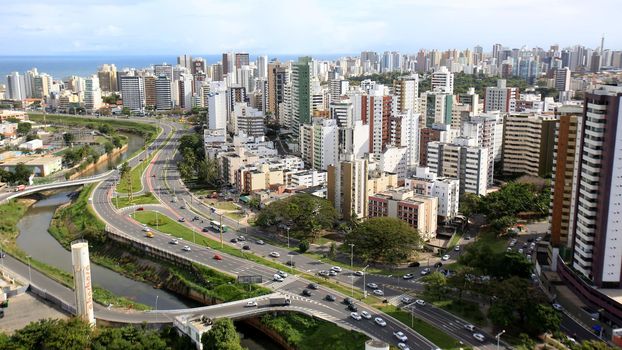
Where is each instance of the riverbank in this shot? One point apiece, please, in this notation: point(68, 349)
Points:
point(80, 170)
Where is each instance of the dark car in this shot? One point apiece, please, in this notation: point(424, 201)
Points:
point(353, 308)
point(414, 264)
point(246, 247)
point(438, 264)
point(205, 229)
point(307, 293)
point(234, 240)
point(312, 286)
point(290, 263)
point(330, 297)
point(348, 301)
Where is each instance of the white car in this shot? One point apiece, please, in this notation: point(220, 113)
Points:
point(359, 273)
point(355, 316)
point(402, 346)
point(282, 273)
point(372, 285)
point(457, 248)
point(146, 229)
point(479, 336)
point(275, 254)
point(379, 321)
point(445, 257)
point(251, 303)
point(174, 241)
point(186, 248)
point(558, 307)
point(378, 292)
point(336, 268)
point(420, 302)
point(332, 273)
point(277, 278)
point(400, 336)
point(469, 327)
point(408, 276)
point(366, 315)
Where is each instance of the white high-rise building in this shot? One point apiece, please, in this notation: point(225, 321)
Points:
point(487, 129)
point(319, 143)
point(443, 80)
point(461, 159)
point(262, 67)
point(217, 110)
point(500, 98)
point(82, 281)
point(15, 86)
point(164, 94)
point(185, 90)
point(92, 94)
point(406, 89)
point(446, 189)
point(133, 93)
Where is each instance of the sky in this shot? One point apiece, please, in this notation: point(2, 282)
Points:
point(35, 27)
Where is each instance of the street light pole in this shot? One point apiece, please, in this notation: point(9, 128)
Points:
point(156, 305)
point(499, 337)
point(287, 237)
point(29, 272)
point(364, 284)
point(352, 270)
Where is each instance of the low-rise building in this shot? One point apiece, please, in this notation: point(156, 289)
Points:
point(8, 130)
point(418, 211)
point(9, 114)
point(40, 165)
point(31, 145)
point(305, 178)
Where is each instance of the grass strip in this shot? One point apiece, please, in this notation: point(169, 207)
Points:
point(147, 198)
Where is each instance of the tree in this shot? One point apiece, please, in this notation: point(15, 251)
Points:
point(21, 174)
point(383, 239)
point(222, 336)
point(126, 111)
point(332, 250)
point(68, 138)
point(501, 224)
point(127, 338)
point(303, 246)
point(124, 170)
point(435, 285)
point(116, 141)
point(52, 334)
point(24, 128)
point(542, 318)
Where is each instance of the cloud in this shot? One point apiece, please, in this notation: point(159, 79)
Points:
point(301, 26)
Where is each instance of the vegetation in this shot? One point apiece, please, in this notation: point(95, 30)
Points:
point(111, 99)
point(502, 207)
point(194, 166)
point(307, 333)
point(74, 155)
point(75, 334)
point(463, 81)
point(23, 128)
point(222, 336)
point(306, 215)
point(19, 176)
point(383, 78)
point(147, 198)
point(383, 239)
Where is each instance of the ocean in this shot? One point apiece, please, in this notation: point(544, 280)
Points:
point(60, 67)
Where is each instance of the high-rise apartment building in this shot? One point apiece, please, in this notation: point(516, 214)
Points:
point(278, 77)
point(164, 98)
point(488, 131)
point(107, 75)
point(92, 94)
point(528, 142)
point(461, 159)
point(406, 90)
point(319, 143)
point(185, 61)
point(443, 80)
point(150, 92)
point(500, 98)
point(347, 186)
point(561, 77)
point(241, 59)
point(446, 189)
point(163, 69)
point(565, 174)
point(217, 110)
point(597, 230)
point(301, 94)
point(133, 93)
point(15, 86)
point(436, 108)
point(262, 67)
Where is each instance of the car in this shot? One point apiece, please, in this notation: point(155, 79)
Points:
point(174, 241)
point(379, 321)
point(530, 239)
point(260, 242)
point(332, 273)
point(558, 307)
point(277, 278)
point(359, 273)
point(182, 207)
point(420, 302)
point(366, 315)
point(205, 229)
point(352, 307)
point(414, 264)
point(479, 336)
point(402, 346)
point(372, 285)
point(307, 292)
point(186, 248)
point(196, 218)
point(408, 276)
point(336, 268)
point(251, 303)
point(378, 292)
point(146, 229)
point(140, 209)
point(323, 273)
point(438, 264)
point(355, 316)
point(509, 249)
point(347, 301)
point(469, 327)
point(275, 254)
point(406, 299)
point(445, 257)
point(290, 263)
point(233, 240)
point(520, 251)
point(181, 219)
point(312, 286)
point(282, 273)
point(330, 297)
point(217, 257)
point(246, 247)
point(538, 239)
point(241, 238)
point(467, 238)
point(400, 336)
point(457, 248)
point(425, 271)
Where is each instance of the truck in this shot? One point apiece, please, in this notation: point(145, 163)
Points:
point(280, 301)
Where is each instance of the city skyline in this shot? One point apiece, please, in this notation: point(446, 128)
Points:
point(117, 27)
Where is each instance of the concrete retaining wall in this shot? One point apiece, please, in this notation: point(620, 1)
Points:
point(42, 293)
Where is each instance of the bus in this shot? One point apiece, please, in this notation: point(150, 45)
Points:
point(217, 226)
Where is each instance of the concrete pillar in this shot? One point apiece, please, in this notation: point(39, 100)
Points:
point(82, 281)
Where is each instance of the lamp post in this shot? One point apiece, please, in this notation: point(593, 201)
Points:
point(352, 270)
point(365, 285)
point(498, 336)
point(287, 237)
point(156, 305)
point(29, 272)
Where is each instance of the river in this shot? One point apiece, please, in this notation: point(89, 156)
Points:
point(35, 240)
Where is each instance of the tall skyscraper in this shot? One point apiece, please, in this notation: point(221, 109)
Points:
point(443, 80)
point(301, 94)
point(150, 92)
point(347, 186)
point(163, 93)
point(597, 230)
point(228, 63)
point(241, 59)
point(406, 89)
point(133, 93)
point(15, 86)
point(217, 110)
point(561, 77)
point(107, 75)
point(185, 61)
point(163, 69)
point(92, 94)
point(262, 67)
